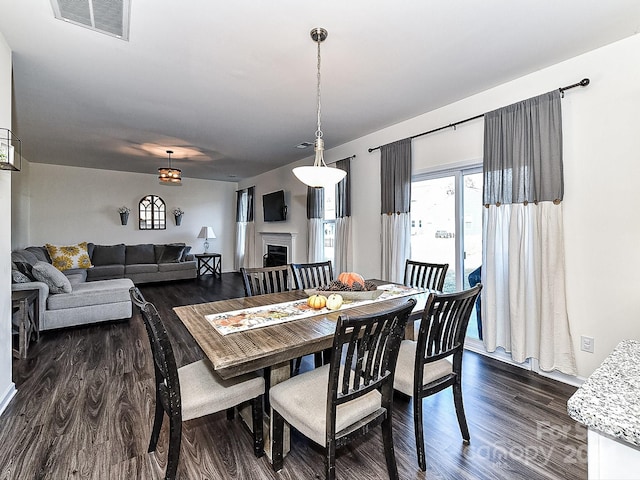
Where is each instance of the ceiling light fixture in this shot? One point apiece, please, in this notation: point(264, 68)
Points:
point(170, 176)
point(319, 175)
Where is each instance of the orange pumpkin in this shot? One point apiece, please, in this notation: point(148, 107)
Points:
point(317, 301)
point(349, 277)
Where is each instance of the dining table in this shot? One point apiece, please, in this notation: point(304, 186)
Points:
point(271, 348)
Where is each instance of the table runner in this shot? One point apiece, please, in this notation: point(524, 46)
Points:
point(256, 317)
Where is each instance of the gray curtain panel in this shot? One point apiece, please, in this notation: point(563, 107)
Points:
point(244, 213)
point(523, 152)
point(315, 202)
point(395, 176)
point(343, 190)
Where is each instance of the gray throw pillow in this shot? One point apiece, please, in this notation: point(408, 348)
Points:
point(185, 252)
point(171, 254)
point(19, 277)
point(54, 278)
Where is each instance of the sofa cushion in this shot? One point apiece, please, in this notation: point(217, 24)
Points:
point(64, 257)
point(175, 266)
point(141, 268)
point(54, 278)
point(92, 293)
point(171, 254)
point(108, 255)
point(137, 254)
point(103, 272)
point(40, 253)
point(24, 256)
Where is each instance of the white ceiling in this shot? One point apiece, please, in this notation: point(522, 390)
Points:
point(230, 86)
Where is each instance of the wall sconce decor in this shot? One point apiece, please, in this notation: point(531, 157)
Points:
point(206, 233)
point(177, 214)
point(10, 151)
point(124, 214)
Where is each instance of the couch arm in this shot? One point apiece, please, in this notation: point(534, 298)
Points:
point(43, 294)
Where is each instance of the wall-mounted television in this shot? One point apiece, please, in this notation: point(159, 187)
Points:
point(275, 210)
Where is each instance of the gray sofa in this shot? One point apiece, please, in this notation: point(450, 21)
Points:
point(81, 296)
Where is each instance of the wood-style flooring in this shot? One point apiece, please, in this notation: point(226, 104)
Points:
point(85, 401)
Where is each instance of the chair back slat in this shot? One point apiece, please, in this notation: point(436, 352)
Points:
point(260, 281)
point(165, 368)
point(425, 275)
point(312, 275)
point(364, 353)
point(444, 323)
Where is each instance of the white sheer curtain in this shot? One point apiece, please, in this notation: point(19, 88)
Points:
point(343, 261)
point(395, 182)
point(396, 241)
point(316, 247)
point(245, 229)
point(523, 273)
point(315, 216)
point(344, 246)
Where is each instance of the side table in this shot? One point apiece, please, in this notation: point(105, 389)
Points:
point(209, 263)
point(24, 303)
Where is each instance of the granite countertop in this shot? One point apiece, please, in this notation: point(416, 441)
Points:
point(609, 401)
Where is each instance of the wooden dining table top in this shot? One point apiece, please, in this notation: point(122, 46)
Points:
point(251, 350)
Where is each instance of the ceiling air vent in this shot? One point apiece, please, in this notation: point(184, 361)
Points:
point(110, 17)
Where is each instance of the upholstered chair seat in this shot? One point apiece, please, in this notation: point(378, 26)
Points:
point(405, 368)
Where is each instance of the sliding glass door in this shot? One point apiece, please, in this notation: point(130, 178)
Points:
point(446, 227)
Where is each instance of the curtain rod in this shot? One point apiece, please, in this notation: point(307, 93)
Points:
point(345, 158)
point(582, 83)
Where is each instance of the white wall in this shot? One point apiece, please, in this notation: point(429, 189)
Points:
point(67, 205)
point(7, 388)
point(602, 170)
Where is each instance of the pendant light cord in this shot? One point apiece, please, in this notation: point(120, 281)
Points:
point(318, 131)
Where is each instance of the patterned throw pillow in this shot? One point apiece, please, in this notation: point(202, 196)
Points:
point(64, 257)
point(54, 278)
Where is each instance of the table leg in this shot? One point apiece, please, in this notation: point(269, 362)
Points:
point(279, 373)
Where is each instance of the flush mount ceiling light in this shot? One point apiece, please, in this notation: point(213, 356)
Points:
point(170, 176)
point(319, 175)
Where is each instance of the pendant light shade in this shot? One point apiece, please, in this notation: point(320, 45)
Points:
point(319, 175)
point(170, 176)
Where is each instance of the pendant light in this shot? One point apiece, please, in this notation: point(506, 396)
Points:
point(319, 175)
point(170, 176)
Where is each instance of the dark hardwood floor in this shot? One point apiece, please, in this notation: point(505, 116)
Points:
point(85, 399)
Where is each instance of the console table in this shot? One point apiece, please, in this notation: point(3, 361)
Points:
point(209, 263)
point(24, 303)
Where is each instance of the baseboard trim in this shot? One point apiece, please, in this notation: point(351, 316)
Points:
point(8, 395)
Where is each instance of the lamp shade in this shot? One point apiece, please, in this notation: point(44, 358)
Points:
point(206, 232)
point(319, 176)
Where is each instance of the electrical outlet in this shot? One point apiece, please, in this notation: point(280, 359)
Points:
point(586, 344)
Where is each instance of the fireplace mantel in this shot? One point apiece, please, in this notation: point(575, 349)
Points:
point(281, 239)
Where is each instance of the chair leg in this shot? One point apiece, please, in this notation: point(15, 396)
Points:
point(330, 461)
point(175, 436)
point(389, 452)
point(257, 417)
point(462, 419)
point(296, 366)
point(277, 440)
point(417, 423)
point(158, 417)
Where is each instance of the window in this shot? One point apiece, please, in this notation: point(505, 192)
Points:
point(329, 224)
point(446, 225)
point(153, 213)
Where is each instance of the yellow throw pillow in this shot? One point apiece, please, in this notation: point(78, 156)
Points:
point(64, 257)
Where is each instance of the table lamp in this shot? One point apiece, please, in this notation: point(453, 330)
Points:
point(206, 233)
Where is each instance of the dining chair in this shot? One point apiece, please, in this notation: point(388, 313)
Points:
point(425, 275)
point(312, 275)
point(259, 281)
point(336, 403)
point(434, 361)
point(192, 391)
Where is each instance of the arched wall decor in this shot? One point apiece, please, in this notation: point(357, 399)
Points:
point(153, 213)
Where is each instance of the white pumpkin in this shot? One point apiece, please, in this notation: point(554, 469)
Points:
point(334, 301)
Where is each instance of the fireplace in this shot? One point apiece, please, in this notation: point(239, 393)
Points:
point(286, 242)
point(276, 255)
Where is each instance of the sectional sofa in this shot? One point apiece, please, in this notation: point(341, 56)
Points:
point(98, 289)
